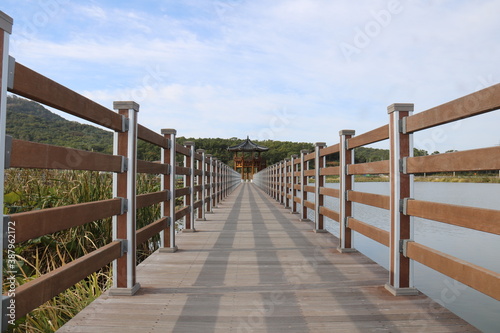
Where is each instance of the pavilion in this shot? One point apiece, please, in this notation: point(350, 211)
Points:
point(247, 160)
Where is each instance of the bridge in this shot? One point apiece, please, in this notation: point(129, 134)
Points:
point(246, 257)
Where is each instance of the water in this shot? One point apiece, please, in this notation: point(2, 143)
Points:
point(477, 247)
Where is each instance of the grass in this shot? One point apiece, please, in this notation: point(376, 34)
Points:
point(28, 190)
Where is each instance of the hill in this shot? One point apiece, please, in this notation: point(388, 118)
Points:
point(30, 121)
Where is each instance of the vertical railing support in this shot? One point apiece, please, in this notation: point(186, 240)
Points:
point(6, 23)
point(346, 183)
point(189, 163)
point(124, 186)
point(401, 147)
point(287, 182)
point(319, 182)
point(170, 183)
point(210, 181)
point(293, 182)
point(202, 182)
point(303, 184)
point(216, 183)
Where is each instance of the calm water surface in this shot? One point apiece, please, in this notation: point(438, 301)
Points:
point(477, 247)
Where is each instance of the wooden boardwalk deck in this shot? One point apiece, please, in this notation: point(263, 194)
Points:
point(254, 267)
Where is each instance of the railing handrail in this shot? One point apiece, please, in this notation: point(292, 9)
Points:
point(400, 168)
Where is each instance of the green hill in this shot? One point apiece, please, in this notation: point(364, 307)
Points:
point(30, 121)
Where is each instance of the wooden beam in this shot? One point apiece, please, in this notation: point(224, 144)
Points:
point(483, 101)
point(150, 136)
point(467, 160)
point(182, 150)
point(145, 233)
point(27, 154)
point(379, 167)
point(330, 150)
point(331, 192)
point(32, 85)
point(486, 220)
point(148, 199)
point(330, 171)
point(152, 168)
point(379, 235)
point(33, 224)
point(479, 278)
point(376, 135)
point(331, 214)
point(375, 200)
point(36, 292)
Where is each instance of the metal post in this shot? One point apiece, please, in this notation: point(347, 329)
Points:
point(169, 182)
point(202, 182)
point(210, 183)
point(124, 186)
point(6, 23)
point(293, 169)
point(319, 182)
point(346, 182)
point(400, 280)
point(303, 183)
point(215, 198)
point(287, 183)
point(189, 163)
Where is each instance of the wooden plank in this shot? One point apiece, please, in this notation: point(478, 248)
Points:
point(309, 173)
point(483, 159)
point(331, 214)
point(152, 168)
point(310, 156)
point(376, 135)
point(370, 231)
point(36, 292)
point(146, 232)
point(197, 204)
point(180, 213)
point(310, 189)
point(150, 136)
point(379, 167)
point(182, 150)
point(375, 200)
point(182, 171)
point(32, 85)
point(180, 192)
point(331, 192)
point(297, 200)
point(27, 154)
point(148, 199)
point(479, 278)
point(483, 101)
point(486, 220)
point(330, 171)
point(330, 150)
point(33, 224)
point(309, 204)
point(197, 188)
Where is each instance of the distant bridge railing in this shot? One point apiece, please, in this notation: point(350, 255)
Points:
point(283, 180)
point(207, 181)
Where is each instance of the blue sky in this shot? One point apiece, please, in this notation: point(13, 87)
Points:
point(295, 70)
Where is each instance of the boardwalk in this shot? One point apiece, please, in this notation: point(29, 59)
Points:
point(254, 267)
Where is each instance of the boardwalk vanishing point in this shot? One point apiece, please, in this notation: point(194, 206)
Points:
point(254, 267)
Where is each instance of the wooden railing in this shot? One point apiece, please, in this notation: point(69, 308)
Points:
point(206, 181)
point(283, 180)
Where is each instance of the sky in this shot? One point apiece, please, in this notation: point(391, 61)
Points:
point(289, 70)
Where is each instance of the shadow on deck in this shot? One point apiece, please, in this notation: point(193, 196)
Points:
point(253, 267)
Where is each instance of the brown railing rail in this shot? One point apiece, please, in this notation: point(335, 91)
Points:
point(284, 180)
point(206, 181)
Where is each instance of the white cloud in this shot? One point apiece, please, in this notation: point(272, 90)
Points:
point(226, 68)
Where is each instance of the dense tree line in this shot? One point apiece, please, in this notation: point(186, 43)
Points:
point(28, 120)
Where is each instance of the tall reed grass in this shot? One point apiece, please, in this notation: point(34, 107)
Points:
point(29, 189)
